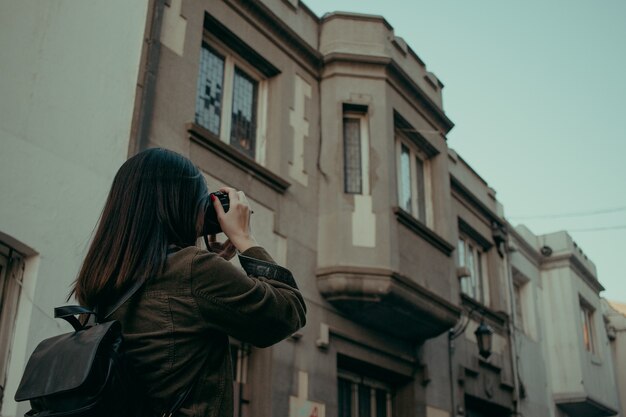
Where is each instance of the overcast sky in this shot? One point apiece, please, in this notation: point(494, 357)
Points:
point(537, 91)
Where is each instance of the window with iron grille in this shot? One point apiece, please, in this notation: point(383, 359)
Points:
point(360, 396)
point(228, 99)
point(354, 143)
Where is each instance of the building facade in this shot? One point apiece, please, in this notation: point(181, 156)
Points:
point(565, 359)
point(615, 317)
point(336, 131)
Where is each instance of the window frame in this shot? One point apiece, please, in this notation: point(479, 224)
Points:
point(12, 264)
point(233, 62)
point(587, 327)
point(364, 143)
point(415, 152)
point(359, 381)
point(480, 268)
point(518, 299)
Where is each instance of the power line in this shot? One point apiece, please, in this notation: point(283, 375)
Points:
point(574, 214)
point(597, 229)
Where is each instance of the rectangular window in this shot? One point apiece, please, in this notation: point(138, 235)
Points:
point(406, 187)
point(359, 396)
point(210, 90)
point(356, 149)
point(471, 256)
point(414, 194)
point(228, 100)
point(586, 313)
point(243, 125)
point(11, 274)
point(519, 316)
point(353, 173)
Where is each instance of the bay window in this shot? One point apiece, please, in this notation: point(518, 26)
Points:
point(414, 190)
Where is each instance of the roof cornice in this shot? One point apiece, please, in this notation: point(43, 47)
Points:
point(402, 78)
point(577, 266)
point(463, 192)
point(265, 21)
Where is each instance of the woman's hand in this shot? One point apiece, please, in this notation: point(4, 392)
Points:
point(226, 250)
point(236, 222)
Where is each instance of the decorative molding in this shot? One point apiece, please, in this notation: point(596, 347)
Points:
point(530, 252)
point(434, 110)
point(414, 135)
point(387, 301)
point(458, 187)
point(581, 404)
point(423, 231)
point(208, 140)
point(357, 16)
point(396, 73)
point(238, 46)
point(571, 260)
point(259, 16)
point(472, 233)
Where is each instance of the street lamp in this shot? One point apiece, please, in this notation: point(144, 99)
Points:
point(484, 337)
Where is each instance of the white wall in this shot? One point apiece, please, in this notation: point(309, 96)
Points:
point(67, 87)
point(574, 371)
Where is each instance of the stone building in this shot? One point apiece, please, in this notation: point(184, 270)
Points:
point(336, 131)
point(565, 362)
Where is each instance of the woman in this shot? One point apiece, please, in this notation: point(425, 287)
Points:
point(176, 327)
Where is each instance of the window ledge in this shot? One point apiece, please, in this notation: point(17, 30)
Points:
point(209, 141)
point(423, 231)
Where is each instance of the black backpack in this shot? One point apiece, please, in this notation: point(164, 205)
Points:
point(85, 373)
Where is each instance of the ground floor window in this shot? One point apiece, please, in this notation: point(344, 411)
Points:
point(477, 407)
point(11, 273)
point(360, 396)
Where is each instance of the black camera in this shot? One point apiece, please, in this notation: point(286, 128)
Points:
point(211, 225)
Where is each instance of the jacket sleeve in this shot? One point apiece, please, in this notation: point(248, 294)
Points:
point(262, 309)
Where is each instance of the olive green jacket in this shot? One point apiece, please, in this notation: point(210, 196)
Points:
point(176, 328)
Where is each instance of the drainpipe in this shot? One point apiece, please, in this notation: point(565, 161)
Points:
point(451, 374)
point(512, 323)
point(146, 107)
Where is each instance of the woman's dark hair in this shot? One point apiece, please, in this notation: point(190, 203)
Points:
point(153, 202)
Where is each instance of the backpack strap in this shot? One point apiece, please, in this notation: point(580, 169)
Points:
point(68, 313)
point(129, 293)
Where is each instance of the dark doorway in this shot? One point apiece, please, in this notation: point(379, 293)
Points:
point(476, 407)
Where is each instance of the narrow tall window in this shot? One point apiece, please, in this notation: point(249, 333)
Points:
point(470, 255)
point(210, 90)
point(406, 187)
point(414, 195)
point(345, 398)
point(243, 125)
point(586, 313)
point(421, 188)
point(519, 316)
point(353, 174)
